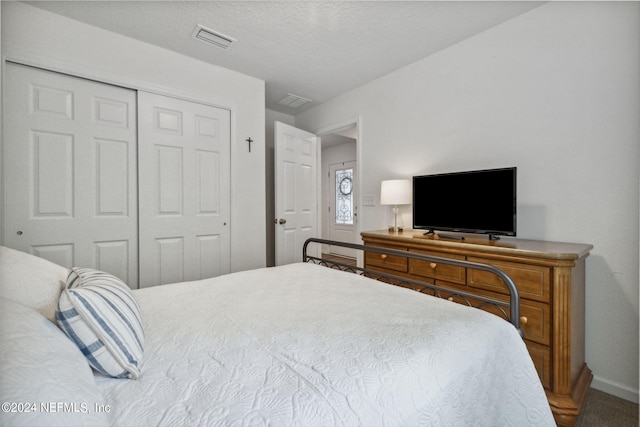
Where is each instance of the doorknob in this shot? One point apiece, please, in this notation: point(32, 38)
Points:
point(282, 221)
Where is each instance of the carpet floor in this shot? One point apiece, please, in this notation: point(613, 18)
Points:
point(604, 410)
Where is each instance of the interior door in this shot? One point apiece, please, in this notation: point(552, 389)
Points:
point(296, 191)
point(184, 181)
point(343, 207)
point(70, 170)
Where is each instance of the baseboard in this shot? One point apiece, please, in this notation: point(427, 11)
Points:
point(612, 387)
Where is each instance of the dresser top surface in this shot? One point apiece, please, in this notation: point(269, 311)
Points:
point(481, 243)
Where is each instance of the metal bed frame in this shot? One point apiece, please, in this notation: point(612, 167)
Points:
point(472, 300)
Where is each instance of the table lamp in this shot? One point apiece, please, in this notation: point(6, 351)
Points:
point(395, 192)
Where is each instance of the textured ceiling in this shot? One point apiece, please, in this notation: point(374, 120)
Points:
point(315, 49)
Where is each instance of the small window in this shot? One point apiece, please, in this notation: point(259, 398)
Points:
point(344, 196)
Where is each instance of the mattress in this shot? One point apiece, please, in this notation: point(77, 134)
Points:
point(305, 345)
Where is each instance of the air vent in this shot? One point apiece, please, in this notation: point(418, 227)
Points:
point(293, 101)
point(213, 37)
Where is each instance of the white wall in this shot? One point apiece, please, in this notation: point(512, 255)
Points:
point(555, 92)
point(41, 38)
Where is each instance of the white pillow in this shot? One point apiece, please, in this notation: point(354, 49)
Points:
point(101, 315)
point(40, 366)
point(31, 280)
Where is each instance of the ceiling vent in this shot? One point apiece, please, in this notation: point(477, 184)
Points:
point(293, 101)
point(213, 37)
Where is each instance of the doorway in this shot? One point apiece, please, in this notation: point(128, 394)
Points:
point(331, 140)
point(342, 212)
point(339, 188)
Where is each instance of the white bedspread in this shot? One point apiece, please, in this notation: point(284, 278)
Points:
point(303, 345)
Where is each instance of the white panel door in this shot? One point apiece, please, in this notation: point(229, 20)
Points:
point(296, 191)
point(70, 170)
point(184, 182)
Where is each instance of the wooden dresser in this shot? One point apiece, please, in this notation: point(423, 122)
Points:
point(550, 277)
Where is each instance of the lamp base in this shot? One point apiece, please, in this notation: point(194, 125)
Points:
point(395, 229)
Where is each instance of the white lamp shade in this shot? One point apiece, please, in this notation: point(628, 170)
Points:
point(395, 192)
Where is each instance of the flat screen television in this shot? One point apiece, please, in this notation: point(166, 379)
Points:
point(481, 201)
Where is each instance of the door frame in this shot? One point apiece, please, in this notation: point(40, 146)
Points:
point(333, 128)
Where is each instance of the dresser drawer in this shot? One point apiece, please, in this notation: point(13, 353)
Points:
point(533, 281)
point(437, 270)
point(389, 262)
point(535, 317)
point(541, 356)
point(535, 321)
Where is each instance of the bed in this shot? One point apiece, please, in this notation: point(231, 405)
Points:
point(296, 345)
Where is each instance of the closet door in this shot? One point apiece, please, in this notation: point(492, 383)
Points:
point(70, 170)
point(184, 184)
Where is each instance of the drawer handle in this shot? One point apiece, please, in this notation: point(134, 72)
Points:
point(433, 265)
point(524, 320)
point(383, 256)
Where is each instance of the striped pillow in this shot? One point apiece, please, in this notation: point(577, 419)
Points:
point(101, 315)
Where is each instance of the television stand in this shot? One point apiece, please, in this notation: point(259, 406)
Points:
point(551, 279)
point(432, 232)
point(450, 236)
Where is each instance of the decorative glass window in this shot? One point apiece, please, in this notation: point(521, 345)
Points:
point(344, 196)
